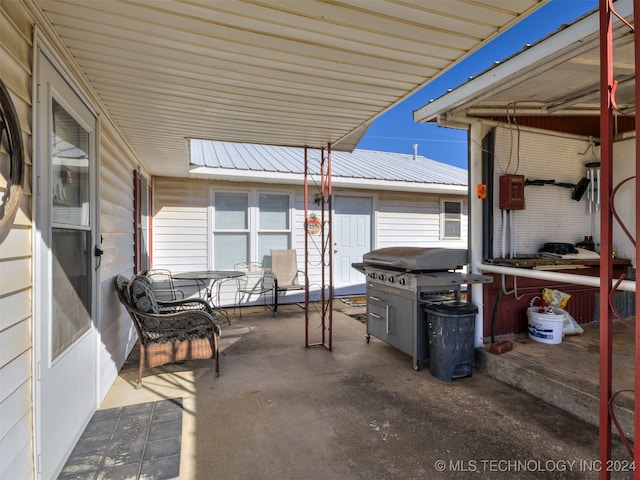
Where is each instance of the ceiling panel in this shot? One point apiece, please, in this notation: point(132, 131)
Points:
point(277, 72)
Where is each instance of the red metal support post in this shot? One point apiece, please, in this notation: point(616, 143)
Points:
point(323, 243)
point(306, 247)
point(606, 270)
point(330, 240)
point(325, 252)
point(636, 418)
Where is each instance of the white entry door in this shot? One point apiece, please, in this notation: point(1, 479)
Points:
point(351, 239)
point(65, 341)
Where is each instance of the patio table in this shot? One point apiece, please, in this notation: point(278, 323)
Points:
point(207, 279)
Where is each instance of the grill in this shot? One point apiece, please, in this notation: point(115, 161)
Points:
point(400, 281)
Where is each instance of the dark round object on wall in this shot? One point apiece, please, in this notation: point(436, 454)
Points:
point(11, 175)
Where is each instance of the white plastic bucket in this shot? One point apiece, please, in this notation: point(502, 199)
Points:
point(545, 327)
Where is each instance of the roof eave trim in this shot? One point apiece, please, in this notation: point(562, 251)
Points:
point(511, 71)
point(233, 175)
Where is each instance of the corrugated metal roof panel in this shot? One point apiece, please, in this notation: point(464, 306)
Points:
point(556, 79)
point(276, 72)
point(359, 164)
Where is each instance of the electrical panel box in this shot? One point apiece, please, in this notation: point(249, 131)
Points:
point(512, 192)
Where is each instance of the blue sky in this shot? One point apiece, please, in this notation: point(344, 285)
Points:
point(395, 131)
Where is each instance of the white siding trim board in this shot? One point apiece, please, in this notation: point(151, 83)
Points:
point(209, 173)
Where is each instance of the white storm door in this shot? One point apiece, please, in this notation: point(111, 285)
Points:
point(351, 239)
point(64, 270)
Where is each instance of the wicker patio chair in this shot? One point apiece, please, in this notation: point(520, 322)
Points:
point(168, 332)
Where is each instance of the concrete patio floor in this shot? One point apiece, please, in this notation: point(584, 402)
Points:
point(283, 411)
point(566, 375)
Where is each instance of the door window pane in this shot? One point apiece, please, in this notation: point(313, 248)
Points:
point(71, 248)
point(69, 169)
point(71, 251)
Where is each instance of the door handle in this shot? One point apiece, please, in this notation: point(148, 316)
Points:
point(387, 315)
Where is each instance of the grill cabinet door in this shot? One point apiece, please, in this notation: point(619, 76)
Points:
point(401, 321)
point(377, 311)
point(390, 317)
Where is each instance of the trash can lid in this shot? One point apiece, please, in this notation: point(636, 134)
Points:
point(453, 307)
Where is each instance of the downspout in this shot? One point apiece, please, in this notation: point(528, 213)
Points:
point(474, 237)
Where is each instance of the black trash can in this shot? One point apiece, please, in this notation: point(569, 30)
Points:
point(451, 327)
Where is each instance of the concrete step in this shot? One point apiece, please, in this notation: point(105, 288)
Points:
point(543, 377)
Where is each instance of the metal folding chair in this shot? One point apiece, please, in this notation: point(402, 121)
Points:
point(283, 274)
point(251, 284)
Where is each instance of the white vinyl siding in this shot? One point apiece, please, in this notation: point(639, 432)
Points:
point(180, 225)
point(16, 409)
point(414, 220)
point(117, 334)
point(16, 443)
point(183, 211)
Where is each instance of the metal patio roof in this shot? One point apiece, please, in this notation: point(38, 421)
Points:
point(274, 72)
point(557, 77)
point(357, 169)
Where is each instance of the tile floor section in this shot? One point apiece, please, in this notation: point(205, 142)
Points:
point(133, 442)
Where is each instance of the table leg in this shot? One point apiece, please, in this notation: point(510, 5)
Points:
point(217, 308)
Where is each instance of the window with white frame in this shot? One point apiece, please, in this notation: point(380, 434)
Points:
point(451, 219)
point(247, 225)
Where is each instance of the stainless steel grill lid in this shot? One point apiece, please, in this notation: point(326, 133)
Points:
point(417, 258)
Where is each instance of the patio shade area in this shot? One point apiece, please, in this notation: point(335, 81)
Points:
point(304, 73)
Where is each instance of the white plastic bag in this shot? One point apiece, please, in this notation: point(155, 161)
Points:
point(570, 326)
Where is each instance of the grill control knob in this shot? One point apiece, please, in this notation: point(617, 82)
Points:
point(402, 281)
point(381, 276)
point(372, 275)
point(392, 279)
